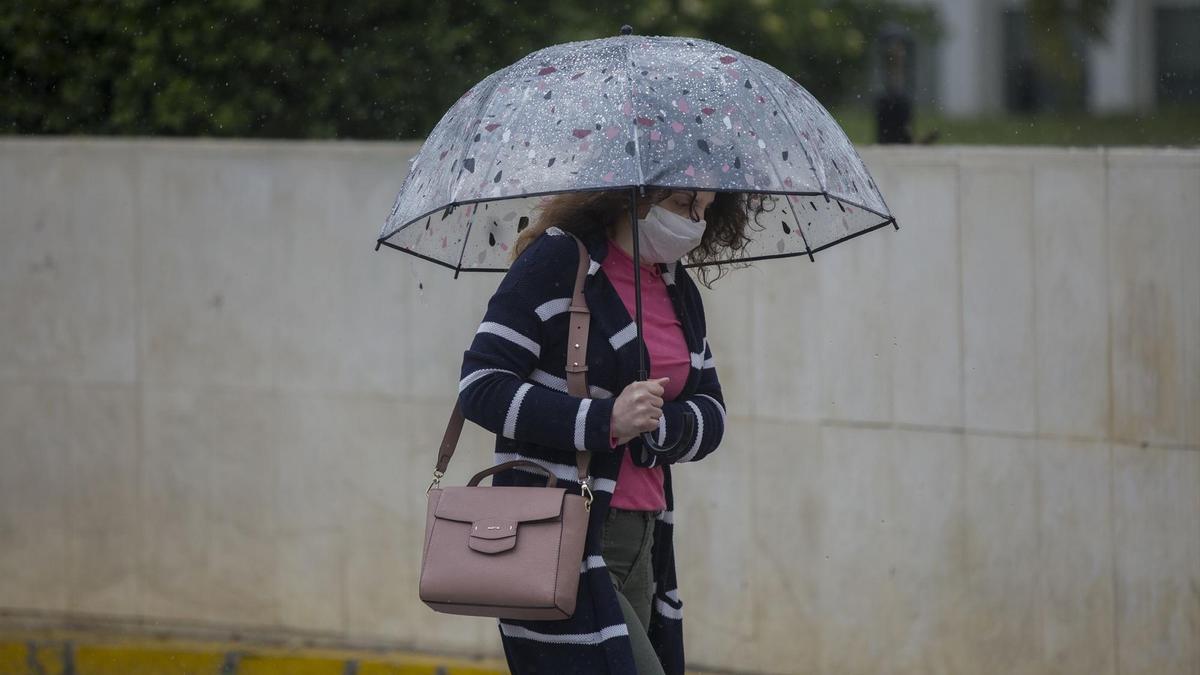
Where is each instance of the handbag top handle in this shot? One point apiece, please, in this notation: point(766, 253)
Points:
point(577, 342)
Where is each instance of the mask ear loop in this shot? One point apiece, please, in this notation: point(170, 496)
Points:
point(692, 208)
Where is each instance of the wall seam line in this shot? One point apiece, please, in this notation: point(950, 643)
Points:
point(1112, 504)
point(962, 309)
point(139, 369)
point(1031, 215)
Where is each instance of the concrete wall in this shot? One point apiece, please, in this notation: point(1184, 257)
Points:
point(970, 446)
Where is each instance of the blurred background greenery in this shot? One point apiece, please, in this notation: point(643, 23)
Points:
point(364, 69)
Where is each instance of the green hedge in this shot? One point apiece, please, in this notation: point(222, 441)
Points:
point(358, 68)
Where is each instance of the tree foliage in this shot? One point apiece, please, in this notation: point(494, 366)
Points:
point(362, 68)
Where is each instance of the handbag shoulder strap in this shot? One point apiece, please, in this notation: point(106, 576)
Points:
point(577, 342)
point(576, 370)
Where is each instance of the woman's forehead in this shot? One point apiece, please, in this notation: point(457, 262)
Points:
point(703, 197)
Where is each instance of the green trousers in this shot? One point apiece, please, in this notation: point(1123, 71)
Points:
point(628, 538)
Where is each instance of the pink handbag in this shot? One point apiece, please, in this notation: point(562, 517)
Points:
point(510, 552)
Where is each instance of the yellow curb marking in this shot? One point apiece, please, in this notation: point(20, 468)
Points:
point(104, 660)
point(12, 657)
point(92, 655)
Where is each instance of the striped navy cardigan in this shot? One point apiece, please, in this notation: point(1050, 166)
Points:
point(513, 384)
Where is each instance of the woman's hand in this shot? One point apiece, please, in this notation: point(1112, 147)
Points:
point(637, 409)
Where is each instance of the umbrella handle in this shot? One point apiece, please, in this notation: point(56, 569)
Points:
point(689, 424)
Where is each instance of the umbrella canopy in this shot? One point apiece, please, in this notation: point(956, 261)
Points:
point(631, 112)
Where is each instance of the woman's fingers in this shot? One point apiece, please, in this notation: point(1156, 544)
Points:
point(642, 408)
point(651, 403)
point(647, 397)
point(656, 386)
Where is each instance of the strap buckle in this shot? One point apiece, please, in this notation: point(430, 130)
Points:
point(437, 481)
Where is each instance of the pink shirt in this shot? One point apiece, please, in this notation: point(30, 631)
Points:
point(639, 488)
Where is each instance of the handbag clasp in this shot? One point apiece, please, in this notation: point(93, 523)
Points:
point(586, 490)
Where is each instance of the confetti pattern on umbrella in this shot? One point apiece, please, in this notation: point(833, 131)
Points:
point(631, 111)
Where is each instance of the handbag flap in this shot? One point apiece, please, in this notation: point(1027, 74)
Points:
point(513, 504)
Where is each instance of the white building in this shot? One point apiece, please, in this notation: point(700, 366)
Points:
point(1151, 57)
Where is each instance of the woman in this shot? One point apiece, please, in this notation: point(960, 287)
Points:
point(627, 617)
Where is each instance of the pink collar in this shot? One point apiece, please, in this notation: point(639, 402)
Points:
point(615, 248)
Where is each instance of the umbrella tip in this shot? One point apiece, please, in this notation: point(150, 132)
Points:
point(626, 30)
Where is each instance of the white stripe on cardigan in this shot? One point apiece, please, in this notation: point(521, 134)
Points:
point(552, 308)
point(604, 485)
point(720, 408)
point(477, 374)
point(511, 335)
point(559, 384)
point(581, 422)
point(514, 409)
point(667, 611)
point(561, 471)
point(624, 336)
point(602, 635)
point(691, 453)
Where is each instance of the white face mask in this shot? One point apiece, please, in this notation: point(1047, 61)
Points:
point(666, 236)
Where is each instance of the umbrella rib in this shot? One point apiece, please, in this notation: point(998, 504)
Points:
point(770, 87)
point(462, 252)
point(487, 101)
point(884, 223)
point(637, 150)
point(778, 179)
point(422, 256)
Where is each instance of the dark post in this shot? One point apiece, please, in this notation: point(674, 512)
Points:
point(893, 107)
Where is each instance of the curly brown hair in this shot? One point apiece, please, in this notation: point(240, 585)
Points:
point(589, 213)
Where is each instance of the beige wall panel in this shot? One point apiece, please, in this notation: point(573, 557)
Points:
point(1070, 237)
point(997, 287)
point(1157, 499)
point(1154, 243)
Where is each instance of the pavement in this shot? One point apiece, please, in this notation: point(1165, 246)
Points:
point(63, 651)
point(50, 652)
